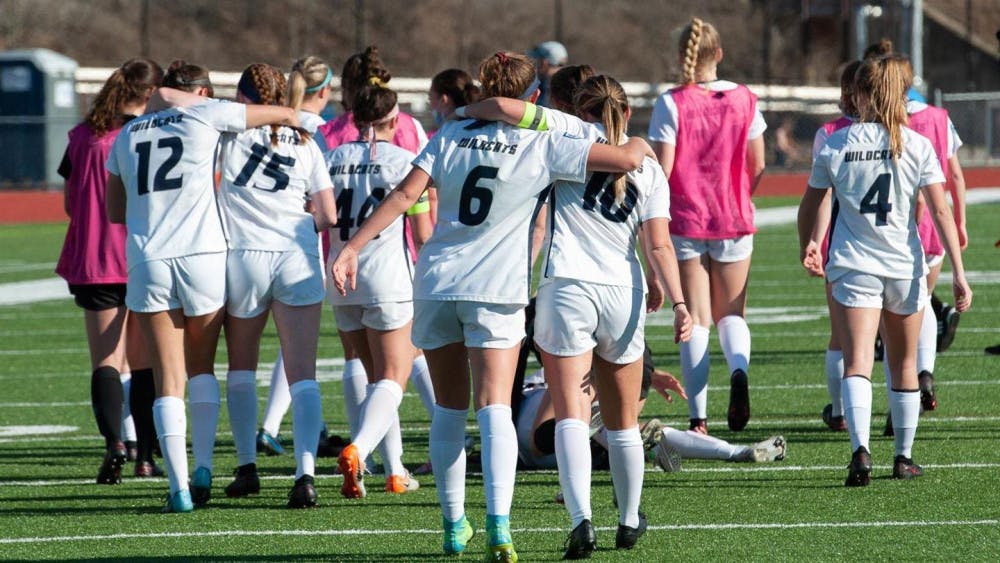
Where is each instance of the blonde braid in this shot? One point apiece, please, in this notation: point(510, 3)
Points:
point(691, 52)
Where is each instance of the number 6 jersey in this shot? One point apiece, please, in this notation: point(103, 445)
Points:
point(360, 183)
point(166, 159)
point(873, 227)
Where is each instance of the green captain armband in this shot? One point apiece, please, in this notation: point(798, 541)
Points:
point(534, 118)
point(423, 205)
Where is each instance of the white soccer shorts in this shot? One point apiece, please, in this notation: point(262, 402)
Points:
point(857, 289)
point(196, 284)
point(479, 325)
point(376, 316)
point(255, 278)
point(721, 250)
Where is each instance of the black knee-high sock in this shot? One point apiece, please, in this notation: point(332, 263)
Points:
point(106, 397)
point(141, 397)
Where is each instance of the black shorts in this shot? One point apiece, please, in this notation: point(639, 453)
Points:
point(99, 296)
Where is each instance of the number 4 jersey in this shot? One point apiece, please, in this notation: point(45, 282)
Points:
point(873, 227)
point(360, 183)
point(166, 159)
point(264, 189)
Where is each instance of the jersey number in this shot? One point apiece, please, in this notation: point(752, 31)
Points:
point(877, 200)
point(160, 180)
point(272, 169)
point(345, 204)
point(472, 191)
point(599, 185)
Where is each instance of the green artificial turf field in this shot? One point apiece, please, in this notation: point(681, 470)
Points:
point(797, 509)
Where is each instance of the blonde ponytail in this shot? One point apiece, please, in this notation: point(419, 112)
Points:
point(602, 97)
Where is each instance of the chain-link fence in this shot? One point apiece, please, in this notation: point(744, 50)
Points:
point(976, 116)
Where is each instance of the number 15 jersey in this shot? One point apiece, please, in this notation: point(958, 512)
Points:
point(873, 225)
point(489, 177)
point(166, 161)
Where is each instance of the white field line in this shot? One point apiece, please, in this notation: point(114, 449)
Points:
point(780, 387)
point(546, 530)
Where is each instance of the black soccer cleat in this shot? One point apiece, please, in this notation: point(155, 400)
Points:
point(859, 471)
point(110, 472)
point(888, 431)
point(582, 541)
point(739, 401)
point(879, 348)
point(245, 483)
point(303, 493)
point(835, 423)
point(928, 397)
point(904, 468)
point(947, 327)
point(627, 537)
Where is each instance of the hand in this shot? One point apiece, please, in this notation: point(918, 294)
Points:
point(664, 382)
point(654, 299)
point(963, 294)
point(345, 268)
point(812, 259)
point(683, 323)
point(963, 237)
point(647, 150)
point(309, 207)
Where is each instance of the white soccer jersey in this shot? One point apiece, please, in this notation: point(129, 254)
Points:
point(310, 121)
point(264, 189)
point(873, 229)
point(592, 236)
point(489, 177)
point(663, 123)
point(166, 161)
point(360, 183)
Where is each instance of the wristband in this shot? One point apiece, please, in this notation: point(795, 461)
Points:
point(678, 304)
point(460, 111)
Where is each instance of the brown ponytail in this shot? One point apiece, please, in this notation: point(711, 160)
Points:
point(129, 84)
point(602, 97)
point(359, 69)
point(564, 84)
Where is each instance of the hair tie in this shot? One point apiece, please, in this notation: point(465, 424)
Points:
point(372, 146)
point(376, 81)
point(502, 57)
point(321, 85)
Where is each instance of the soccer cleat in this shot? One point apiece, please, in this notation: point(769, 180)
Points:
point(132, 450)
point(147, 469)
point(501, 546)
point(502, 553)
point(699, 425)
point(582, 541)
point(560, 498)
point(651, 432)
point(457, 535)
point(627, 537)
point(400, 484)
point(245, 483)
point(425, 469)
point(179, 502)
point(666, 457)
point(329, 445)
point(992, 350)
point(739, 401)
point(110, 472)
point(201, 486)
point(928, 397)
point(353, 471)
point(888, 430)
point(835, 423)
point(596, 420)
point(859, 471)
point(772, 449)
point(268, 444)
point(303, 493)
point(904, 468)
point(947, 327)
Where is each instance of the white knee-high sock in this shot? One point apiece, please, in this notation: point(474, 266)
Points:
point(278, 398)
point(128, 426)
point(355, 391)
point(927, 341)
point(573, 458)
point(627, 461)
point(905, 409)
point(834, 375)
point(170, 419)
point(203, 396)
point(499, 455)
point(420, 377)
point(241, 403)
point(857, 392)
point(694, 367)
point(307, 421)
point(734, 338)
point(390, 449)
point(693, 445)
point(447, 450)
point(379, 410)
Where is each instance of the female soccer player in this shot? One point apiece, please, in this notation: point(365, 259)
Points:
point(93, 264)
point(376, 318)
point(471, 282)
point(274, 266)
point(450, 89)
point(707, 134)
point(161, 187)
point(876, 264)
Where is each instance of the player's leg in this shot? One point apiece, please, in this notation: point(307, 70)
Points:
point(142, 393)
point(903, 319)
point(694, 358)
point(106, 340)
point(729, 271)
point(201, 338)
point(279, 399)
point(243, 347)
point(927, 344)
point(833, 414)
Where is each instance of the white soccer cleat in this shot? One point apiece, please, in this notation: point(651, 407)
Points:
point(772, 449)
point(666, 457)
